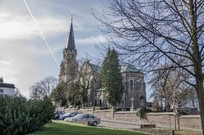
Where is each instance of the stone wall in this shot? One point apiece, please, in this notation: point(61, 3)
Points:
point(126, 116)
point(167, 119)
point(104, 114)
point(190, 121)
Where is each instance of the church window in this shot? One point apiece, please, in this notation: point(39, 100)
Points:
point(95, 102)
point(122, 102)
point(100, 102)
point(142, 101)
point(131, 85)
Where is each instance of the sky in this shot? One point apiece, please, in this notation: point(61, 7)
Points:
point(24, 56)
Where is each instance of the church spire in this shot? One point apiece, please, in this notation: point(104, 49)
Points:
point(70, 42)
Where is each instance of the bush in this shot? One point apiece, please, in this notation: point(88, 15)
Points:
point(101, 108)
point(147, 110)
point(140, 112)
point(19, 116)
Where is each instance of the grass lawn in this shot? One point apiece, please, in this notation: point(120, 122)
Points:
point(65, 128)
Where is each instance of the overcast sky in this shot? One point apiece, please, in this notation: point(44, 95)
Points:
point(24, 57)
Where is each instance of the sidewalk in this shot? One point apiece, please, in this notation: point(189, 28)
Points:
point(138, 124)
point(124, 122)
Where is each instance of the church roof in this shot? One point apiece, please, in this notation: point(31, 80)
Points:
point(70, 42)
point(95, 67)
point(128, 68)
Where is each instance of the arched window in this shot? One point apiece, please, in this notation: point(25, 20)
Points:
point(142, 101)
point(131, 85)
point(122, 102)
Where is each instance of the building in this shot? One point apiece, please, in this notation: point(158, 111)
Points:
point(69, 59)
point(91, 76)
point(133, 79)
point(134, 87)
point(6, 88)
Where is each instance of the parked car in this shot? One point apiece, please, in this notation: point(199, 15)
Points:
point(58, 114)
point(68, 115)
point(91, 119)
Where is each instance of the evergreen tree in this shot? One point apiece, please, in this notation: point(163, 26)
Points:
point(111, 77)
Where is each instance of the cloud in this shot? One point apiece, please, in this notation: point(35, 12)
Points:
point(24, 57)
point(23, 27)
point(91, 40)
point(23, 63)
point(4, 63)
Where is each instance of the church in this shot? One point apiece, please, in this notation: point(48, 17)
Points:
point(134, 95)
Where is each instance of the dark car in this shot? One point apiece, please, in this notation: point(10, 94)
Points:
point(68, 115)
point(58, 114)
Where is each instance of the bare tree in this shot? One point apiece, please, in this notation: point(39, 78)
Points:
point(161, 31)
point(170, 85)
point(17, 93)
point(43, 88)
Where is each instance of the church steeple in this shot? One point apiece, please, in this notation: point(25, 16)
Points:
point(70, 42)
point(69, 58)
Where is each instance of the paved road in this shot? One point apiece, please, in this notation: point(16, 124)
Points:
point(115, 124)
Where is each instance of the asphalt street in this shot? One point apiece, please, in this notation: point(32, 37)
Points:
point(119, 125)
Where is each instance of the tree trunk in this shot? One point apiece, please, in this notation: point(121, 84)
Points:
point(200, 94)
point(197, 62)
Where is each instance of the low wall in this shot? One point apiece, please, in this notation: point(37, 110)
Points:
point(126, 116)
point(104, 114)
point(190, 121)
point(167, 119)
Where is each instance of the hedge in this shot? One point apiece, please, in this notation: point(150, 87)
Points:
point(19, 116)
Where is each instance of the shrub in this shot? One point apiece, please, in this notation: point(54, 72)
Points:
point(101, 108)
point(140, 112)
point(19, 116)
point(147, 110)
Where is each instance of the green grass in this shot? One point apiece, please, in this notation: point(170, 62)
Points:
point(65, 128)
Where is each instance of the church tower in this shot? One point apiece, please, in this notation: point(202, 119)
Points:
point(69, 66)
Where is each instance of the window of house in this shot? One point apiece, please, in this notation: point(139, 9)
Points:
point(1, 91)
point(131, 85)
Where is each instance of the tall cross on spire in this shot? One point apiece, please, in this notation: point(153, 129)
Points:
point(71, 18)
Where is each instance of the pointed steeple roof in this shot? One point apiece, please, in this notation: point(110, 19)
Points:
point(70, 42)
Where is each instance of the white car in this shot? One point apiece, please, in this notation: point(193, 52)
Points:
point(68, 115)
point(91, 119)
